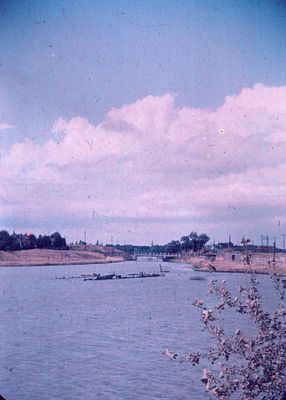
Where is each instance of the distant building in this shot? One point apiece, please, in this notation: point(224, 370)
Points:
point(229, 255)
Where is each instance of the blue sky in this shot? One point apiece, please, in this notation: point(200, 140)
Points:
point(66, 59)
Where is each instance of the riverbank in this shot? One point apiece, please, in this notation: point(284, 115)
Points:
point(261, 263)
point(41, 257)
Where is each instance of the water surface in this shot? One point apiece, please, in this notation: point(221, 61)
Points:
point(70, 339)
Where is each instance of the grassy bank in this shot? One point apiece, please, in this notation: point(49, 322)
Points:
point(57, 257)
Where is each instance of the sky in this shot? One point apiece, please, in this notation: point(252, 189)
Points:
point(143, 121)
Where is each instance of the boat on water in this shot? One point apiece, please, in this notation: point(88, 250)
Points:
point(105, 277)
point(99, 277)
point(113, 276)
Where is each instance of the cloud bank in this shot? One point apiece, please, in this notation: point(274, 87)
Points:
point(152, 163)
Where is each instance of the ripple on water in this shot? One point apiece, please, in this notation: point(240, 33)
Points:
point(72, 339)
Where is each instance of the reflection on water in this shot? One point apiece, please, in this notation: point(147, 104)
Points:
point(69, 339)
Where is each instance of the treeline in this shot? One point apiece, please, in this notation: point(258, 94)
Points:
point(189, 243)
point(19, 241)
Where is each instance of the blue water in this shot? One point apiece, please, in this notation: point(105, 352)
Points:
point(70, 339)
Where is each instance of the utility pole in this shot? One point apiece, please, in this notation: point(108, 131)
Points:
point(274, 251)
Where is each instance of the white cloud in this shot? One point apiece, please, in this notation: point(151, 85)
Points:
point(152, 159)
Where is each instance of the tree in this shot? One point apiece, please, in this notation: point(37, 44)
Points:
point(40, 242)
point(5, 240)
point(174, 247)
point(32, 241)
point(197, 242)
point(15, 245)
point(252, 367)
point(202, 240)
point(47, 242)
point(186, 243)
point(57, 242)
point(29, 241)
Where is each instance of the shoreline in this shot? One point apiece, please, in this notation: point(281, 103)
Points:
point(259, 265)
point(63, 263)
point(236, 271)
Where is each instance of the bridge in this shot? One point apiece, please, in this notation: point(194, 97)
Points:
point(155, 256)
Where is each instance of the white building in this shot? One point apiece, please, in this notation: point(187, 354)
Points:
point(229, 255)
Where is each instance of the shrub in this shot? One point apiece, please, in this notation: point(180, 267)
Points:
point(247, 365)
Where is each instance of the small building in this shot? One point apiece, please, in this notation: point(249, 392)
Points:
point(232, 255)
